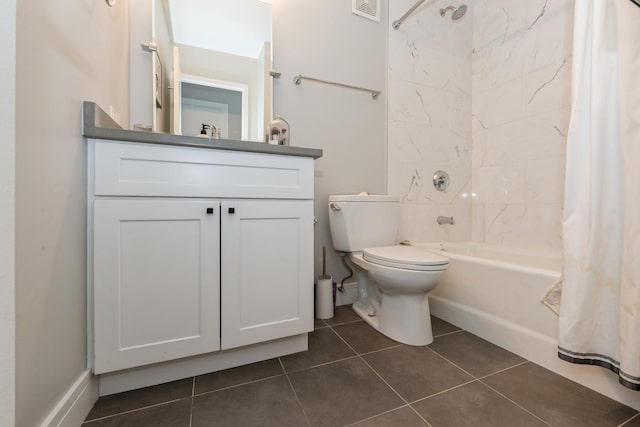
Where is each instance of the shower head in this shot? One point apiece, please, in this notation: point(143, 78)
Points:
point(458, 12)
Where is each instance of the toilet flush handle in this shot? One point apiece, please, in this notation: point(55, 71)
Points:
point(334, 206)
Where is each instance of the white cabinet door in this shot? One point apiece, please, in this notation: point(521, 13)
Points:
point(156, 281)
point(266, 270)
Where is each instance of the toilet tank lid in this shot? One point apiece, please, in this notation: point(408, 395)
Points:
point(363, 198)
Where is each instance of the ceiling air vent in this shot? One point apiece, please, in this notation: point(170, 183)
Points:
point(367, 8)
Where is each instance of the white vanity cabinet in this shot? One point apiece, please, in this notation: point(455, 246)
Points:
point(195, 250)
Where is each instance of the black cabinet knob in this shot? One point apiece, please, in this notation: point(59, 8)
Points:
point(209, 211)
point(232, 210)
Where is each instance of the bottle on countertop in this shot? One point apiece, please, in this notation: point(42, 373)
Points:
point(279, 131)
point(216, 133)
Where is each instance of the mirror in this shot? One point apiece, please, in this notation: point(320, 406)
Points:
point(210, 64)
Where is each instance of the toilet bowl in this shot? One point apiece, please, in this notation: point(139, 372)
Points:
point(393, 283)
point(393, 280)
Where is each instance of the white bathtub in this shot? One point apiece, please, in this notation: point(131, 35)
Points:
point(494, 292)
point(501, 287)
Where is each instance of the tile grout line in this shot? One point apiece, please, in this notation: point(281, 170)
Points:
point(382, 379)
point(321, 364)
point(355, 355)
point(381, 349)
point(443, 391)
point(376, 415)
point(630, 419)
point(238, 385)
point(353, 349)
point(479, 379)
point(515, 403)
point(348, 322)
point(394, 390)
point(193, 392)
point(469, 373)
point(454, 364)
point(505, 369)
point(137, 409)
point(365, 362)
point(295, 394)
point(448, 333)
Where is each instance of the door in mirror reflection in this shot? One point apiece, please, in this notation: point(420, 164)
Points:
point(221, 48)
point(214, 106)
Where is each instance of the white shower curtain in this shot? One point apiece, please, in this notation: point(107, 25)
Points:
point(600, 307)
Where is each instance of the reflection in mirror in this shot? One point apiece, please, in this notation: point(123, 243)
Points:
point(219, 108)
point(215, 66)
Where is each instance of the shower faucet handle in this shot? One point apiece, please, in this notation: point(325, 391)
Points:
point(441, 180)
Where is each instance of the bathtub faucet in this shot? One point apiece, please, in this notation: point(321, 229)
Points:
point(446, 220)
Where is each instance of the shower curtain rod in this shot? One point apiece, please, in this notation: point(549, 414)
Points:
point(396, 24)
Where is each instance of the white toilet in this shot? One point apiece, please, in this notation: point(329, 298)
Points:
point(393, 280)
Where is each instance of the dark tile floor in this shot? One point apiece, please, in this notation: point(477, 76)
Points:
point(352, 375)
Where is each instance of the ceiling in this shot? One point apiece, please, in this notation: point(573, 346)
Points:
point(238, 27)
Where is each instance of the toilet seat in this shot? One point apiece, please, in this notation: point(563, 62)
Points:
point(406, 258)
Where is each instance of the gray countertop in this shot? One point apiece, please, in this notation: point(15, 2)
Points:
point(98, 125)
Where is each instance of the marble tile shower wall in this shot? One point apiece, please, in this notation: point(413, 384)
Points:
point(430, 120)
point(521, 88)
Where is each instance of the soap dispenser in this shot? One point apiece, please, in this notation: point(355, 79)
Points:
point(203, 131)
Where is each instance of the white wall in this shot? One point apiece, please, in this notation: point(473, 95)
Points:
point(521, 105)
point(67, 51)
point(325, 40)
point(430, 121)
point(7, 212)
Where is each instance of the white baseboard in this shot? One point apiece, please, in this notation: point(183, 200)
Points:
point(75, 405)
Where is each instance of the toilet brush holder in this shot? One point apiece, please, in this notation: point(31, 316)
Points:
point(324, 297)
point(324, 291)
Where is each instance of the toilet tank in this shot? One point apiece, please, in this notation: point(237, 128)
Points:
point(363, 221)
